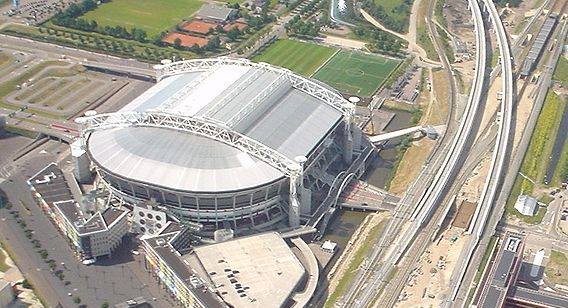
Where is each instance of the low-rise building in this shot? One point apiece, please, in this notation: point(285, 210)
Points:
point(162, 254)
point(247, 272)
point(94, 236)
point(526, 205)
point(216, 13)
point(92, 233)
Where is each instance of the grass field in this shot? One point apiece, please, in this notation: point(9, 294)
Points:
point(557, 264)
point(561, 71)
point(300, 57)
point(4, 59)
point(356, 73)
point(540, 146)
point(10, 86)
point(154, 16)
point(392, 9)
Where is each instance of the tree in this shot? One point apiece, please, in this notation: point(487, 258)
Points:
point(177, 43)
point(26, 284)
point(77, 300)
point(213, 44)
point(233, 34)
point(105, 305)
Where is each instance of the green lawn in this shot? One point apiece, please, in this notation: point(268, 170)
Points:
point(542, 140)
point(11, 85)
point(300, 57)
point(535, 160)
point(356, 73)
point(557, 268)
point(154, 16)
point(4, 58)
point(561, 71)
point(398, 10)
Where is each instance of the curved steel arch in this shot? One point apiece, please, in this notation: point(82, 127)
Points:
point(332, 98)
point(346, 181)
point(198, 126)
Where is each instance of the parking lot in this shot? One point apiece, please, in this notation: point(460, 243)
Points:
point(112, 279)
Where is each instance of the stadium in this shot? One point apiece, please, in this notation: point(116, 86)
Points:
point(226, 143)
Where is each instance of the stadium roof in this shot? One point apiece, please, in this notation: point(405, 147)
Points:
point(256, 101)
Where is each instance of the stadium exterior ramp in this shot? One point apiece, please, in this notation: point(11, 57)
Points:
point(217, 140)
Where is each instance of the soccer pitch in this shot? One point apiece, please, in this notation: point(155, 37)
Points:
point(356, 73)
point(300, 57)
point(154, 16)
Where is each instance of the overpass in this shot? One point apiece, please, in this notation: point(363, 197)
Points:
point(498, 160)
point(524, 297)
point(121, 70)
point(363, 292)
point(428, 130)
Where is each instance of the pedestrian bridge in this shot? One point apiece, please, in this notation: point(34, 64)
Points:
point(430, 131)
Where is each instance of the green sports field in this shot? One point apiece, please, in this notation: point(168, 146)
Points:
point(300, 57)
point(356, 73)
point(154, 16)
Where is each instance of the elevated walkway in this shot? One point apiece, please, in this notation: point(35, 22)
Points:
point(312, 268)
point(359, 195)
point(430, 131)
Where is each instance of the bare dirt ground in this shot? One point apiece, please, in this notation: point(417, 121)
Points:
point(474, 184)
point(516, 16)
point(428, 281)
point(411, 164)
point(343, 42)
point(491, 106)
point(524, 107)
point(440, 106)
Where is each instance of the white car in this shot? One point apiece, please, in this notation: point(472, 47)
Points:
point(135, 252)
point(88, 261)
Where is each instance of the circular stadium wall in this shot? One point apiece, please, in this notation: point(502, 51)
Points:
point(192, 172)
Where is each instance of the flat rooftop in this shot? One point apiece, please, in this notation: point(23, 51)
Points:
point(257, 271)
point(502, 278)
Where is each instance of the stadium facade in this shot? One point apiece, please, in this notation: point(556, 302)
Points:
point(226, 143)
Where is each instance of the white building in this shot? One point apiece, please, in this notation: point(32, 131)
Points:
point(526, 205)
point(95, 236)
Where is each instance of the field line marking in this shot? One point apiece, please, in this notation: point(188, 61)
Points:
point(324, 63)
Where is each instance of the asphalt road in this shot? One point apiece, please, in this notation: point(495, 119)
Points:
point(116, 279)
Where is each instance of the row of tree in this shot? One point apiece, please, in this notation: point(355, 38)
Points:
point(70, 19)
point(212, 45)
point(381, 14)
point(514, 3)
point(256, 22)
point(298, 27)
point(116, 31)
point(379, 41)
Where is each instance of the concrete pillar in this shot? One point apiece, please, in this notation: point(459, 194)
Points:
point(306, 199)
point(347, 146)
point(2, 125)
point(294, 202)
point(81, 163)
point(357, 135)
point(296, 187)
